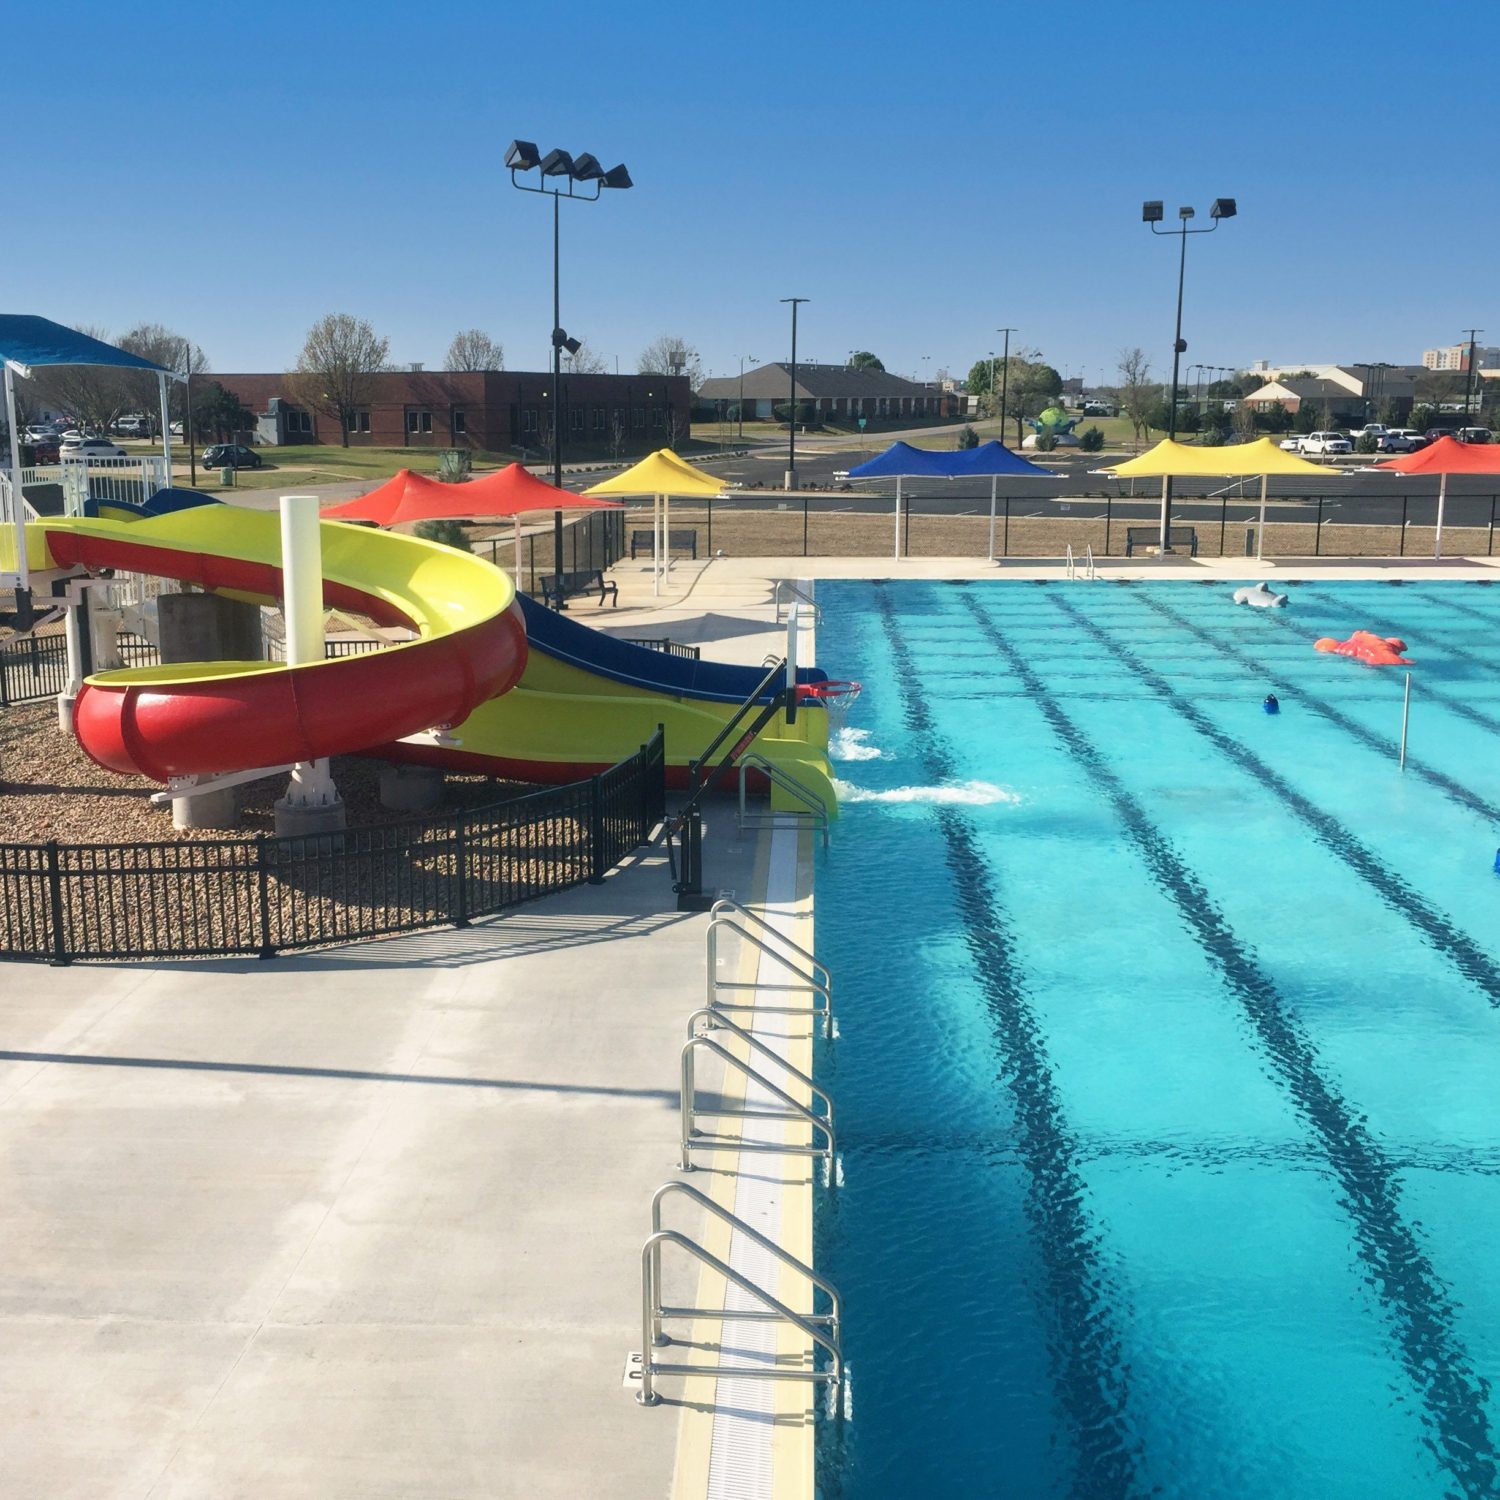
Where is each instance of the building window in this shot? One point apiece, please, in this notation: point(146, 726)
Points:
point(364, 421)
point(598, 419)
point(418, 421)
point(638, 416)
point(460, 424)
point(575, 418)
point(528, 419)
point(426, 421)
point(656, 416)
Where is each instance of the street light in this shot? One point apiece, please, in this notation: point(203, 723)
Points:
point(1151, 213)
point(791, 425)
point(575, 172)
point(1004, 378)
point(741, 408)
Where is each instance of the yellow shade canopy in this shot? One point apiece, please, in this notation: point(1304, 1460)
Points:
point(1173, 460)
point(660, 473)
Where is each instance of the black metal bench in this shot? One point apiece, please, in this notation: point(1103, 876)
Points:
point(564, 586)
point(1150, 536)
point(685, 540)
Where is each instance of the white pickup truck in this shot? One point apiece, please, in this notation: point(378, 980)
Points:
point(1376, 430)
point(1322, 444)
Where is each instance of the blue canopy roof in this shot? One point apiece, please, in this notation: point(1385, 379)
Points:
point(908, 462)
point(40, 341)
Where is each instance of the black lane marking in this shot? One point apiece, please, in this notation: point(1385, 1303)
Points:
point(1083, 1341)
point(1455, 706)
point(1461, 605)
point(1455, 791)
point(1450, 942)
point(1405, 1279)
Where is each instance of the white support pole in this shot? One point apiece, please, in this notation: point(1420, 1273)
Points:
point(518, 554)
point(1437, 541)
point(1260, 529)
point(656, 544)
point(1405, 715)
point(162, 380)
point(16, 502)
point(666, 534)
point(994, 482)
point(311, 786)
point(897, 553)
point(1166, 491)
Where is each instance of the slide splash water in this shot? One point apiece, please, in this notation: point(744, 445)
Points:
point(520, 691)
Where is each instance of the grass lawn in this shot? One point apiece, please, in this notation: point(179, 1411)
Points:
point(323, 464)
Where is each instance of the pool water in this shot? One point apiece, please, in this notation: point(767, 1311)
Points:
point(1169, 1069)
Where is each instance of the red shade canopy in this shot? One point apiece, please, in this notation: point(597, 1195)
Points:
point(510, 491)
point(1448, 456)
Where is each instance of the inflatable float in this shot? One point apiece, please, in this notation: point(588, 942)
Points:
point(1364, 645)
point(1259, 597)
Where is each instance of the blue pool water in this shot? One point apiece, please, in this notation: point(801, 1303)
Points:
point(1169, 1069)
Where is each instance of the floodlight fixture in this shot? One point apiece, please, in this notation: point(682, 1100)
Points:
point(1182, 213)
point(572, 345)
point(618, 177)
point(557, 164)
point(1224, 208)
point(522, 156)
point(586, 168)
point(1151, 211)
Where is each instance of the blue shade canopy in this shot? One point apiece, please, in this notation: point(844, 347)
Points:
point(39, 341)
point(901, 459)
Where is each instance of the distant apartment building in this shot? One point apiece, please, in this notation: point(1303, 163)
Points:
point(489, 410)
point(1340, 393)
point(1456, 357)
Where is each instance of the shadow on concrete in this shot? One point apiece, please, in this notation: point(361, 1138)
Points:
point(349, 1075)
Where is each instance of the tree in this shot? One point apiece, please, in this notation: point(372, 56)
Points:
point(164, 347)
point(587, 361)
point(967, 437)
point(445, 533)
point(978, 383)
point(862, 359)
point(1027, 385)
point(473, 349)
point(95, 395)
point(219, 413)
point(671, 355)
point(335, 369)
point(1138, 392)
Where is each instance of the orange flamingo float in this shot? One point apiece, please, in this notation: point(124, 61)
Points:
point(1364, 645)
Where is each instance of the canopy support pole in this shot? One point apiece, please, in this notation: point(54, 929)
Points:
point(1166, 505)
point(166, 428)
point(994, 482)
point(897, 553)
point(1437, 541)
point(656, 544)
point(518, 554)
point(17, 501)
point(1260, 529)
point(666, 534)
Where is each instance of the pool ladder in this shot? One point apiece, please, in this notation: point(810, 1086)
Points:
point(810, 806)
point(1081, 567)
point(823, 1330)
point(795, 597)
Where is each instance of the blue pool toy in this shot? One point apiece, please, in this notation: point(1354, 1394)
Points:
point(1272, 705)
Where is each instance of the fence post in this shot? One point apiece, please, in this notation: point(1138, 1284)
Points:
point(60, 954)
point(263, 896)
point(1489, 551)
point(711, 525)
point(1005, 544)
point(1318, 534)
point(461, 872)
point(1223, 521)
point(1108, 506)
point(596, 830)
point(4, 690)
point(906, 543)
point(1405, 501)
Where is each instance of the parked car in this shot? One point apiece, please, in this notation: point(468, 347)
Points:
point(43, 451)
point(87, 448)
point(1290, 445)
point(1376, 430)
point(39, 432)
point(1401, 440)
point(1434, 433)
point(134, 426)
point(1474, 435)
point(1324, 444)
point(1098, 409)
point(231, 456)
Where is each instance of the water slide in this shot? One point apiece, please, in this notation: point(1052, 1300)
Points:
point(517, 690)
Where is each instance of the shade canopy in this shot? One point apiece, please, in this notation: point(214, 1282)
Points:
point(510, 491)
point(403, 497)
point(515, 490)
point(660, 473)
point(1169, 460)
point(1448, 456)
point(903, 461)
point(31, 341)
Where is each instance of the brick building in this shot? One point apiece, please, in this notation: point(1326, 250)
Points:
point(491, 410)
point(829, 391)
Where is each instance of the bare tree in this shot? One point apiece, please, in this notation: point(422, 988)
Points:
point(96, 395)
point(671, 355)
point(335, 369)
point(617, 432)
point(1138, 392)
point(164, 347)
point(473, 349)
point(587, 361)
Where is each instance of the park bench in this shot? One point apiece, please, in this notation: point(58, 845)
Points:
point(685, 540)
point(568, 585)
point(1150, 536)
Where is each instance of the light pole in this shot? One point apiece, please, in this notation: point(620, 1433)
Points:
point(1469, 376)
point(584, 170)
point(187, 416)
point(791, 425)
point(1004, 378)
point(753, 361)
point(1151, 213)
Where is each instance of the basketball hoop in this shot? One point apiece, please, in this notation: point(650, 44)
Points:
point(836, 697)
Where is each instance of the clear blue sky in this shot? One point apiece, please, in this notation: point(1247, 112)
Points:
point(922, 174)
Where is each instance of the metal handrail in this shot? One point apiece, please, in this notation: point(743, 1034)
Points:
point(728, 903)
point(1068, 561)
point(810, 984)
point(832, 1319)
point(650, 1314)
point(1088, 553)
point(791, 786)
point(795, 1110)
point(718, 1019)
point(799, 594)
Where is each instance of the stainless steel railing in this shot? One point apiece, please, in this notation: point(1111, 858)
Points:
point(820, 1005)
point(812, 805)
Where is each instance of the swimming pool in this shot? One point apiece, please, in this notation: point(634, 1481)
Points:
point(1167, 1076)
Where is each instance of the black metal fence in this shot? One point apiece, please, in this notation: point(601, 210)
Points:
point(33, 668)
point(662, 643)
point(595, 540)
point(199, 899)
